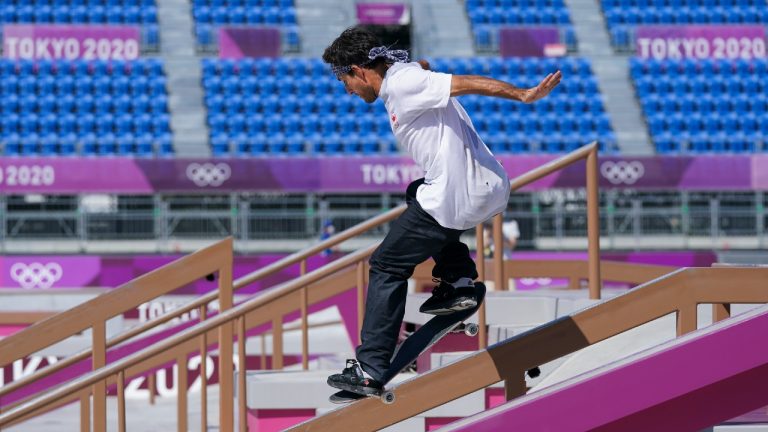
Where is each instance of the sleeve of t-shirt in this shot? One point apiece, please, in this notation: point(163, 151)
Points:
point(420, 90)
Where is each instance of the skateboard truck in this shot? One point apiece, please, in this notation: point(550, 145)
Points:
point(469, 329)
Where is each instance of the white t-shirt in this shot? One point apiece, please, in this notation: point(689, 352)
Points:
point(464, 184)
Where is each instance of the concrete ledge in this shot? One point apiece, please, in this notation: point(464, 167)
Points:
point(292, 390)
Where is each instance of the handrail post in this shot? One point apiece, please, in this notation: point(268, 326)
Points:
point(277, 343)
point(242, 402)
point(498, 254)
point(263, 357)
point(181, 392)
point(85, 411)
point(514, 387)
point(152, 386)
point(593, 226)
point(720, 312)
point(203, 372)
point(686, 318)
point(226, 388)
point(482, 336)
point(99, 360)
point(121, 401)
point(304, 320)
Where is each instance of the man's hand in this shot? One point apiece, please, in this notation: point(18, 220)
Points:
point(544, 88)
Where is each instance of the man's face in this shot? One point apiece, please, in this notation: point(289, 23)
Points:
point(356, 82)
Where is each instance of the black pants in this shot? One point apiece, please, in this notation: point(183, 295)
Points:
point(413, 237)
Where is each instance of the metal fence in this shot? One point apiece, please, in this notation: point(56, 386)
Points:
point(558, 215)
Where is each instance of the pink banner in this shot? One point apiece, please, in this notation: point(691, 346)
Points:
point(759, 174)
point(383, 13)
point(52, 42)
point(355, 174)
point(239, 42)
point(539, 41)
point(701, 42)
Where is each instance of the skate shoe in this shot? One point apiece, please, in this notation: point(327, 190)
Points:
point(448, 298)
point(352, 379)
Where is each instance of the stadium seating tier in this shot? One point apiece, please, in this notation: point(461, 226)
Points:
point(67, 108)
point(704, 106)
point(296, 107)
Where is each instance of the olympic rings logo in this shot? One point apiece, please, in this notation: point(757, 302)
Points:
point(208, 174)
point(36, 275)
point(622, 172)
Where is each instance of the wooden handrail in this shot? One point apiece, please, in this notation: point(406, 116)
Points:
point(188, 334)
point(94, 313)
point(108, 305)
point(552, 166)
point(588, 152)
point(678, 292)
point(27, 317)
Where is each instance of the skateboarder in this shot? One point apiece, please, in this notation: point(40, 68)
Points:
point(463, 186)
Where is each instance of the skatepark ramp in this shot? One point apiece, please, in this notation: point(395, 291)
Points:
point(677, 293)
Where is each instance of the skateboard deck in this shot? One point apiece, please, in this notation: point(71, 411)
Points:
point(418, 342)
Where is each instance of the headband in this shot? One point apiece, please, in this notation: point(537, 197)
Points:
point(391, 56)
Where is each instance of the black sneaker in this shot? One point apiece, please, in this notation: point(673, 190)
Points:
point(352, 379)
point(448, 298)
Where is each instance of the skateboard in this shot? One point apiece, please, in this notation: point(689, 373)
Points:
point(418, 342)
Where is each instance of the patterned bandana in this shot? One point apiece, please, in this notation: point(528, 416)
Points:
point(391, 56)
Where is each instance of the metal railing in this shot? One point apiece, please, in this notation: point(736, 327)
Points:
point(548, 218)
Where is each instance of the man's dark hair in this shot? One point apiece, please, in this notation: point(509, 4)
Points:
point(352, 47)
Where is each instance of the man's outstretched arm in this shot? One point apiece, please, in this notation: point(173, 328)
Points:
point(480, 85)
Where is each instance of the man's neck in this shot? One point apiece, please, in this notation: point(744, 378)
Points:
point(378, 77)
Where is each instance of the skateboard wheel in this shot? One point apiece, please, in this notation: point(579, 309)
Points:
point(471, 329)
point(535, 372)
point(388, 397)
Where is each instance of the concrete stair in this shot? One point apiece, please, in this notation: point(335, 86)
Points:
point(182, 67)
point(612, 73)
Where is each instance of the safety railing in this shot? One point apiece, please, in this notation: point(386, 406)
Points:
point(679, 292)
point(284, 295)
